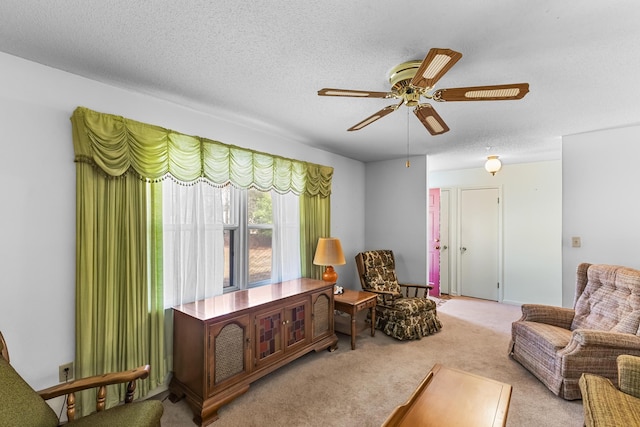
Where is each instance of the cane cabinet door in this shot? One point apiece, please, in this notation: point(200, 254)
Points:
point(322, 314)
point(229, 355)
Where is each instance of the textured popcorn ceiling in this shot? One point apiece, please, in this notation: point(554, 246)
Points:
point(261, 63)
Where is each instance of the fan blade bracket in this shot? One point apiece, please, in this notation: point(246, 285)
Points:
point(375, 116)
point(430, 119)
point(482, 93)
point(434, 66)
point(355, 93)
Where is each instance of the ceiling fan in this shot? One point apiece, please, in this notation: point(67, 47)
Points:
point(415, 79)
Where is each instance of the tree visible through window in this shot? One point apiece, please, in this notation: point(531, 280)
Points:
point(253, 254)
point(260, 226)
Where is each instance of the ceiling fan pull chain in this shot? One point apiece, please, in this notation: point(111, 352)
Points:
point(408, 164)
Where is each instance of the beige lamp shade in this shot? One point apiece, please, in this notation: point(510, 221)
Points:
point(329, 253)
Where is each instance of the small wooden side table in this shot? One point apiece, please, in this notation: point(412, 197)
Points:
point(352, 302)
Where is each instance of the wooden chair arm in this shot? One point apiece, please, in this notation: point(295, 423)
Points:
point(141, 372)
point(98, 381)
point(415, 286)
point(408, 287)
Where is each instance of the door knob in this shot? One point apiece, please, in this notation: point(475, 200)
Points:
point(463, 249)
point(437, 248)
point(444, 248)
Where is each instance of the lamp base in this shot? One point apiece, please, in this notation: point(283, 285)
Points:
point(330, 275)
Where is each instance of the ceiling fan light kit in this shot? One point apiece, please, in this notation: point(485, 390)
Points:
point(412, 80)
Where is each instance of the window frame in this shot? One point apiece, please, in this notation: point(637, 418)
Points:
point(239, 229)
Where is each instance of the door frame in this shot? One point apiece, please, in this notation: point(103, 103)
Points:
point(499, 237)
point(445, 255)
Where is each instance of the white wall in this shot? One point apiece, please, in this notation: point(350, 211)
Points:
point(601, 201)
point(37, 219)
point(396, 215)
point(532, 226)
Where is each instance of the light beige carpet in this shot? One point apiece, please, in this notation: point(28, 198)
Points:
point(362, 387)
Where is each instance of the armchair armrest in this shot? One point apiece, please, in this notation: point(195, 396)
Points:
point(97, 381)
point(551, 315)
point(581, 338)
point(629, 374)
point(408, 287)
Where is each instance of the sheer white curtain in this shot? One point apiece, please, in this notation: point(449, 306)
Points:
point(193, 243)
point(286, 237)
point(193, 246)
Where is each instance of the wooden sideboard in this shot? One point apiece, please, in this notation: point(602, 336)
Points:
point(222, 344)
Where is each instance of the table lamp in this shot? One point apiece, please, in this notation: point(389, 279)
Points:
point(329, 253)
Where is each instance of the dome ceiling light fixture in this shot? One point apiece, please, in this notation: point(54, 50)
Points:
point(493, 164)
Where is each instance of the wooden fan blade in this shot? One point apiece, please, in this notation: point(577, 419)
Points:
point(483, 93)
point(430, 119)
point(354, 93)
point(434, 66)
point(380, 114)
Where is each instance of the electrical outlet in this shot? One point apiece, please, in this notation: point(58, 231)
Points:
point(65, 372)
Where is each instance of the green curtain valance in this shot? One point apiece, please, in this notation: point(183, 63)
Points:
point(117, 145)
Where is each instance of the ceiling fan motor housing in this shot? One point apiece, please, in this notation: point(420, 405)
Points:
point(400, 78)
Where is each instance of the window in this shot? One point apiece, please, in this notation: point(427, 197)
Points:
point(219, 239)
point(248, 261)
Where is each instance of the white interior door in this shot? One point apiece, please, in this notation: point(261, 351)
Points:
point(479, 243)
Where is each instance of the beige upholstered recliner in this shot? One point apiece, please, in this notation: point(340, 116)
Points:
point(23, 406)
point(558, 345)
point(403, 311)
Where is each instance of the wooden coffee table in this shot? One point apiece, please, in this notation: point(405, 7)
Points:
point(480, 401)
point(352, 302)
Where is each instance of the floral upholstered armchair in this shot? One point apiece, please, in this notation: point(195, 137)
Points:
point(403, 311)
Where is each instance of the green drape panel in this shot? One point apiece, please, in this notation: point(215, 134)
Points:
point(157, 349)
point(315, 222)
point(114, 318)
point(116, 145)
point(119, 315)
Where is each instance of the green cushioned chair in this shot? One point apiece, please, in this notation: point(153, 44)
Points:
point(607, 405)
point(23, 406)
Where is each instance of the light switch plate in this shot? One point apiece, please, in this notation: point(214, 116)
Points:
point(575, 242)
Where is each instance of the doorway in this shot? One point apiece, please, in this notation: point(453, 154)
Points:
point(479, 251)
point(438, 247)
